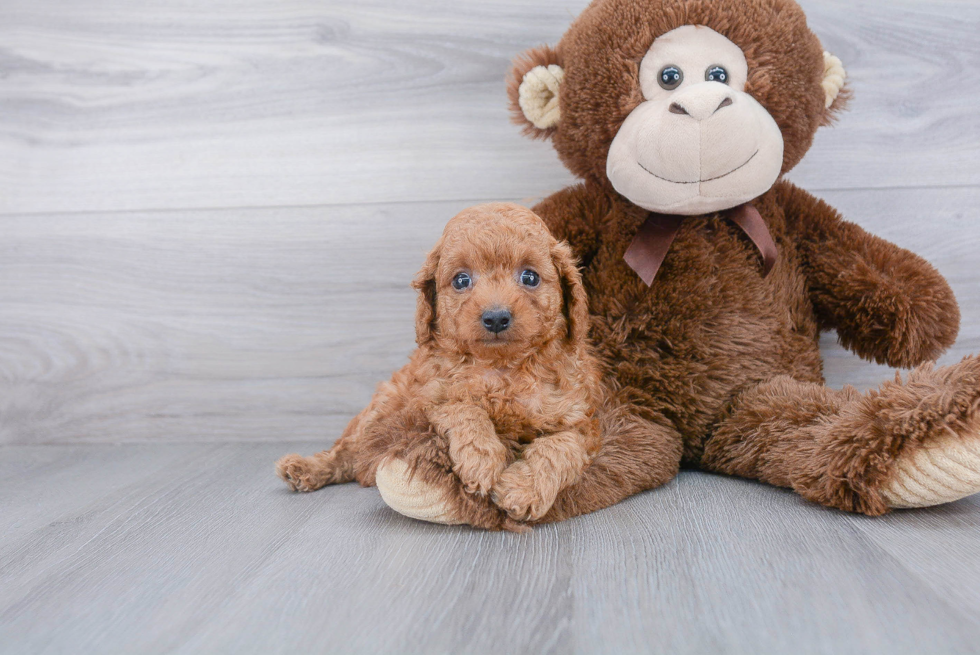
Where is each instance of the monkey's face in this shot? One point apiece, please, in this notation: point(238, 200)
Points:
point(683, 107)
point(698, 142)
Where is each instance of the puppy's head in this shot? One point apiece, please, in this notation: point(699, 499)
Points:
point(498, 285)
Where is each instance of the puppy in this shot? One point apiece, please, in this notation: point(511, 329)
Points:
point(503, 375)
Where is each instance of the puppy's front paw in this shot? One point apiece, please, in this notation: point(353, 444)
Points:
point(298, 473)
point(522, 494)
point(478, 471)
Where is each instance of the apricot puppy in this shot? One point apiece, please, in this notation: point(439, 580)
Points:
point(503, 376)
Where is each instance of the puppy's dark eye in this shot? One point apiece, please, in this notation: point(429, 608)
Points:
point(671, 77)
point(716, 74)
point(530, 279)
point(461, 281)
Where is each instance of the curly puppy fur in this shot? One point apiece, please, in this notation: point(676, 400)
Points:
point(516, 410)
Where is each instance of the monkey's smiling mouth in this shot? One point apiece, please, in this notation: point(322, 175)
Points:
point(712, 179)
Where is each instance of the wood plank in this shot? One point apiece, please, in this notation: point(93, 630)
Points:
point(122, 106)
point(756, 570)
point(271, 324)
point(56, 498)
point(210, 553)
point(952, 554)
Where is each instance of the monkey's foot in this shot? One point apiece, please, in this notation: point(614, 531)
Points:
point(432, 493)
point(940, 472)
point(412, 497)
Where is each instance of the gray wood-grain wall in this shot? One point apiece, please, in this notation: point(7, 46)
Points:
point(210, 211)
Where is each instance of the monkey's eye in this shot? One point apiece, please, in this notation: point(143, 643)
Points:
point(716, 74)
point(461, 281)
point(530, 278)
point(671, 77)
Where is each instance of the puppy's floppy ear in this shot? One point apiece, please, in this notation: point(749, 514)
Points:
point(425, 284)
point(574, 299)
point(533, 91)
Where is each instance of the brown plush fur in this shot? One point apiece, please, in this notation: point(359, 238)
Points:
point(715, 365)
point(512, 415)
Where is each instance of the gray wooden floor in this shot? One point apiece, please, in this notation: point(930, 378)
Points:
point(209, 215)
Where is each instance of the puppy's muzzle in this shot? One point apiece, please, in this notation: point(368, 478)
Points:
point(496, 320)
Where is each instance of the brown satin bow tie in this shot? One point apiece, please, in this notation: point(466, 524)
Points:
point(652, 241)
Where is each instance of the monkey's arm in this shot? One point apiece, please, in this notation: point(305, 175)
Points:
point(574, 215)
point(886, 303)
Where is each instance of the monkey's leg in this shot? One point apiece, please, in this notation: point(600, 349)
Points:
point(635, 455)
point(416, 479)
point(907, 444)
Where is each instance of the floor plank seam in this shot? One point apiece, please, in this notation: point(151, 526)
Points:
point(427, 201)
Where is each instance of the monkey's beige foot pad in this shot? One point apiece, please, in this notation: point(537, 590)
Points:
point(942, 472)
point(411, 496)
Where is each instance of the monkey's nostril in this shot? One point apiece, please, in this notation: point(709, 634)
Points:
point(676, 109)
point(496, 320)
point(727, 102)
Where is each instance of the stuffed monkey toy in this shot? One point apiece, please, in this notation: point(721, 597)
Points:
point(710, 277)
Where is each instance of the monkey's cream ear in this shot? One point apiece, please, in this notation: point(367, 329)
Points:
point(533, 89)
point(834, 76)
point(538, 96)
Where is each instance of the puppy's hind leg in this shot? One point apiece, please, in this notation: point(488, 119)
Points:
point(311, 473)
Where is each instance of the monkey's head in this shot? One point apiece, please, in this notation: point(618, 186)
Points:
point(682, 106)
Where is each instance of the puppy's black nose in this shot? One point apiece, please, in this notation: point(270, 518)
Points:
point(496, 320)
